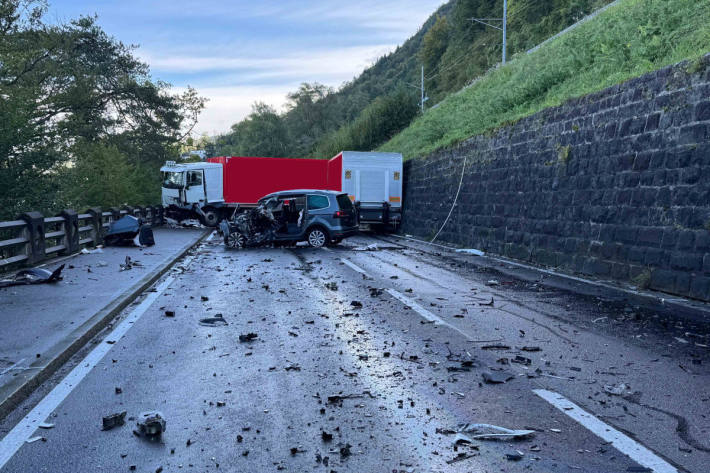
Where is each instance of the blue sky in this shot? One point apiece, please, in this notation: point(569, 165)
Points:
point(237, 52)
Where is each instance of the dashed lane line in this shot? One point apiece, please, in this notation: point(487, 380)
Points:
point(353, 266)
point(12, 442)
point(626, 445)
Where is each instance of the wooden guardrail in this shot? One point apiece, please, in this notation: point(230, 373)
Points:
point(33, 238)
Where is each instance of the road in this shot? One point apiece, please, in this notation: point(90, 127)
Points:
point(386, 352)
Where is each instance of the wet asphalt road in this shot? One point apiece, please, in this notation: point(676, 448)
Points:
point(264, 405)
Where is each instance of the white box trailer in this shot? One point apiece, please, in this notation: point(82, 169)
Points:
point(374, 181)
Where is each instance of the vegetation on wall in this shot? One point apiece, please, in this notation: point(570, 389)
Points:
point(628, 40)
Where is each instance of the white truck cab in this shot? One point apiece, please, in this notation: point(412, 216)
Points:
point(193, 187)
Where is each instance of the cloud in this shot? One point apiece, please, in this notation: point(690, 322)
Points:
point(228, 105)
point(327, 64)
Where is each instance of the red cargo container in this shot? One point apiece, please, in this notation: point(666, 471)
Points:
point(247, 179)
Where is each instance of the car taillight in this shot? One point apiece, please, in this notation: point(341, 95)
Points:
point(340, 214)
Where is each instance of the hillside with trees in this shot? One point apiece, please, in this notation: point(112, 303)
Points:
point(369, 110)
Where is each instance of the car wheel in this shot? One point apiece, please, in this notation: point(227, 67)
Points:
point(317, 237)
point(210, 219)
point(236, 240)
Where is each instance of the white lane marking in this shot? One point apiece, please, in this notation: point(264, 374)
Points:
point(621, 442)
point(424, 313)
point(12, 367)
point(353, 266)
point(27, 426)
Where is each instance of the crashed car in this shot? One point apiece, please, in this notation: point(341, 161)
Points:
point(284, 218)
point(129, 231)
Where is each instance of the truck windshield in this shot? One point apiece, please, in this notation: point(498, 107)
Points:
point(173, 180)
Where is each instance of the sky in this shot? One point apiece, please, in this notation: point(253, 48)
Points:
point(238, 52)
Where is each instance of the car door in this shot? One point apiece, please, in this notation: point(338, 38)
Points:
point(319, 211)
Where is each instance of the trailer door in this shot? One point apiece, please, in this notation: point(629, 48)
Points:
point(372, 186)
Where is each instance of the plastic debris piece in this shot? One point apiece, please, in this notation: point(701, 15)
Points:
point(46, 425)
point(114, 420)
point(492, 432)
point(620, 389)
point(248, 337)
point(151, 424)
point(33, 276)
point(493, 282)
point(34, 439)
point(497, 377)
point(216, 321)
point(515, 456)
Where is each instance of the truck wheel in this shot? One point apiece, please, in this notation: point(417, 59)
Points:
point(317, 237)
point(236, 241)
point(211, 218)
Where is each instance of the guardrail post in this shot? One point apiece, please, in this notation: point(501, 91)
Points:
point(96, 223)
point(115, 213)
point(129, 210)
point(71, 231)
point(159, 217)
point(35, 235)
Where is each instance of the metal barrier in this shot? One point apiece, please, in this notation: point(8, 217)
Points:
point(33, 238)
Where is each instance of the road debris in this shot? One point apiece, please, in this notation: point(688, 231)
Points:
point(46, 425)
point(531, 349)
point(129, 231)
point(621, 389)
point(333, 286)
point(248, 337)
point(129, 264)
point(170, 313)
point(338, 398)
point(493, 282)
point(497, 377)
point(470, 251)
point(114, 420)
point(472, 432)
point(98, 249)
point(515, 456)
point(216, 321)
point(150, 424)
point(370, 247)
point(34, 439)
point(33, 276)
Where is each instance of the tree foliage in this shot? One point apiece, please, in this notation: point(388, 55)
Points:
point(69, 88)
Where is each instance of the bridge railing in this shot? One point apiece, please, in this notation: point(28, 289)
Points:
point(33, 238)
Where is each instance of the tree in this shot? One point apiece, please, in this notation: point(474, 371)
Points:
point(62, 86)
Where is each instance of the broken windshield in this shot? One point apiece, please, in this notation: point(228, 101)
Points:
point(173, 180)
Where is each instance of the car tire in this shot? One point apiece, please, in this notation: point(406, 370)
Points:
point(317, 237)
point(210, 218)
point(235, 241)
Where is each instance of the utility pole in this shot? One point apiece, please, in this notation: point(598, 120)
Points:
point(422, 89)
point(503, 27)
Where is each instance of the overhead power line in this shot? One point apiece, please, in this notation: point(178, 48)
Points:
point(504, 25)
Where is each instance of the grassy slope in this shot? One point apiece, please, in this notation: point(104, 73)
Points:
point(628, 40)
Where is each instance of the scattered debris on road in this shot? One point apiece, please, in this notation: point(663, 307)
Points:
point(248, 337)
point(497, 377)
point(472, 432)
point(216, 321)
point(114, 420)
point(150, 424)
point(621, 389)
point(129, 264)
point(33, 276)
point(129, 231)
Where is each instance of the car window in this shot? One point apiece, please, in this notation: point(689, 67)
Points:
point(316, 202)
point(344, 201)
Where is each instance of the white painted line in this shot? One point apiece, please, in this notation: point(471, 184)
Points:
point(424, 313)
point(12, 367)
point(12, 442)
point(353, 266)
point(621, 442)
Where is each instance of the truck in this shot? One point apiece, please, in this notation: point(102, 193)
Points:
point(223, 186)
